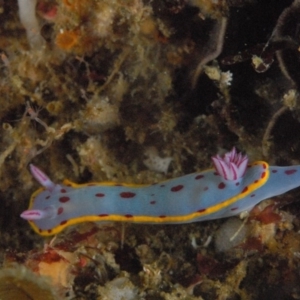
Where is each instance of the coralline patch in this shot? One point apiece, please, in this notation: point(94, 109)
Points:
point(100, 114)
point(118, 289)
point(156, 163)
point(17, 282)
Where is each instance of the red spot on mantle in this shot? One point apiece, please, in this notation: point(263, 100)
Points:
point(245, 189)
point(129, 216)
point(63, 222)
point(63, 191)
point(263, 174)
point(99, 195)
point(290, 172)
point(221, 185)
point(127, 195)
point(64, 199)
point(201, 210)
point(200, 176)
point(60, 210)
point(177, 188)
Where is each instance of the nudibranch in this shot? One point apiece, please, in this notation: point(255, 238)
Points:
point(232, 187)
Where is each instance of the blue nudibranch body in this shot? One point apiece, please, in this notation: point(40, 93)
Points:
point(232, 187)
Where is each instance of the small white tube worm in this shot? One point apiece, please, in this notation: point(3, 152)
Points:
point(29, 20)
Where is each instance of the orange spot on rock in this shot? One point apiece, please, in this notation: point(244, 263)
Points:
point(67, 40)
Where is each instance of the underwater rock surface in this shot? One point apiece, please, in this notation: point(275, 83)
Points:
point(111, 80)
